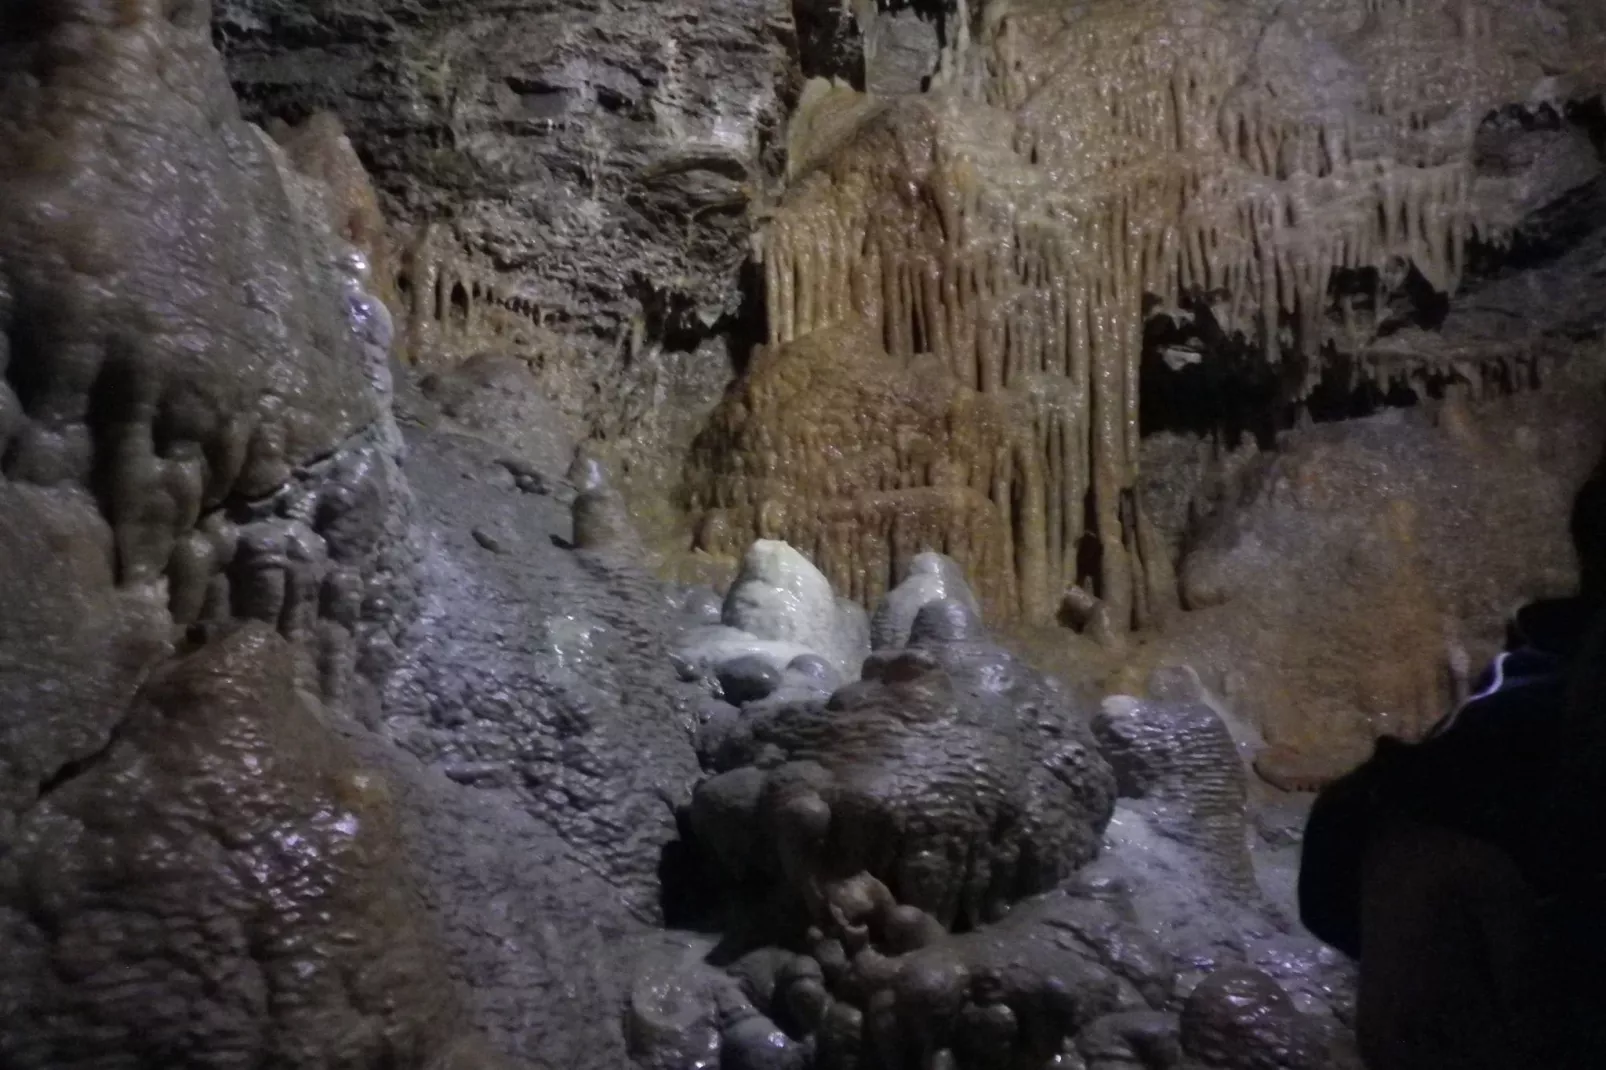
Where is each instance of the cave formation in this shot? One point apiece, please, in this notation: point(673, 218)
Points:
point(1008, 232)
point(760, 535)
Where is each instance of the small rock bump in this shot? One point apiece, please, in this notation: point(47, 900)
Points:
point(815, 668)
point(747, 679)
point(602, 520)
point(587, 472)
point(756, 1043)
point(947, 620)
point(702, 605)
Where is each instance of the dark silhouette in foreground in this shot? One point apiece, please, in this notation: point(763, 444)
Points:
point(1465, 871)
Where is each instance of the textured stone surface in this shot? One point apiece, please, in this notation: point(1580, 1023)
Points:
point(826, 485)
point(188, 429)
point(572, 180)
point(780, 596)
point(887, 831)
point(224, 883)
point(533, 935)
point(930, 578)
point(1365, 570)
point(541, 671)
point(1179, 761)
point(1239, 1019)
point(999, 252)
point(501, 398)
point(470, 862)
point(952, 774)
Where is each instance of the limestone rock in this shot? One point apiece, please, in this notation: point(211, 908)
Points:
point(990, 252)
point(589, 211)
point(1180, 761)
point(747, 678)
point(983, 765)
point(1240, 1018)
point(780, 596)
point(931, 577)
point(702, 650)
point(223, 806)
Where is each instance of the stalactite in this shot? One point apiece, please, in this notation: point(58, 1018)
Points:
point(999, 237)
point(454, 305)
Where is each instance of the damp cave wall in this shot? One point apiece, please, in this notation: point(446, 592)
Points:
point(569, 184)
point(629, 199)
point(1073, 174)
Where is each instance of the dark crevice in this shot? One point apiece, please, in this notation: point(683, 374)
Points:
point(685, 891)
point(1590, 115)
point(830, 41)
point(748, 328)
point(1543, 238)
point(1197, 379)
point(27, 370)
point(77, 767)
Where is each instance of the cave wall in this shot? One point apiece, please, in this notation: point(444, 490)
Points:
point(199, 492)
point(180, 369)
point(1075, 170)
point(570, 183)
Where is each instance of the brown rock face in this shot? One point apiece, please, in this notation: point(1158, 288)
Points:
point(1018, 223)
point(222, 883)
point(861, 462)
point(319, 149)
point(1363, 572)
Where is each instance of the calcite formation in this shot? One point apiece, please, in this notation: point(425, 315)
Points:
point(1357, 579)
point(320, 149)
point(767, 462)
point(931, 578)
point(887, 831)
point(186, 398)
point(225, 882)
point(952, 779)
point(995, 245)
point(1179, 760)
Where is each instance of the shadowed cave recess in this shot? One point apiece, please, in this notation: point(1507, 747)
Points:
point(755, 534)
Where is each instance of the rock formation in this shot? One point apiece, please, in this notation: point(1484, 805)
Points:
point(187, 400)
point(988, 253)
point(1363, 570)
point(894, 864)
point(198, 452)
point(570, 184)
point(925, 800)
point(342, 718)
point(224, 881)
point(958, 780)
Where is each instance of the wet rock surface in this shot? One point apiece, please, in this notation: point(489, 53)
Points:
point(1178, 762)
point(541, 671)
point(323, 742)
point(1382, 557)
point(500, 398)
point(223, 881)
point(952, 777)
point(198, 456)
point(572, 181)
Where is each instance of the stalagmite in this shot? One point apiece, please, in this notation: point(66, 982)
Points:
point(972, 267)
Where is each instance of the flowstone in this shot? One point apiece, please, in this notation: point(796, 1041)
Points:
point(865, 828)
point(952, 776)
point(225, 881)
point(991, 249)
point(929, 866)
